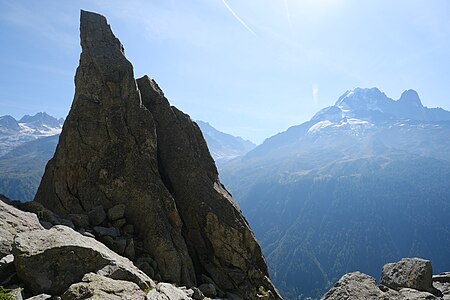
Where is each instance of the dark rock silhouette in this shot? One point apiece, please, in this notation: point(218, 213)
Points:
point(116, 149)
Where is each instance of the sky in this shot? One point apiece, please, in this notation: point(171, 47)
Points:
point(251, 68)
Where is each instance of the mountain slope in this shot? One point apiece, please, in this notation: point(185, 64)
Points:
point(222, 146)
point(14, 133)
point(362, 183)
point(22, 168)
point(25, 147)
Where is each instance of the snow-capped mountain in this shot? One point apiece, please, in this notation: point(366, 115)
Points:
point(363, 183)
point(14, 133)
point(365, 108)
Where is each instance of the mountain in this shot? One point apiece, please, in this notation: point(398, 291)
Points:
point(364, 182)
point(21, 168)
point(14, 133)
point(25, 147)
point(131, 167)
point(222, 146)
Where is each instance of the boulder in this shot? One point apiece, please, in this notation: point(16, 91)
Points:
point(166, 291)
point(49, 261)
point(358, 286)
point(97, 287)
point(97, 215)
point(415, 273)
point(208, 289)
point(12, 222)
point(116, 212)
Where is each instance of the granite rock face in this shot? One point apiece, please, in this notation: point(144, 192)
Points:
point(125, 151)
point(49, 261)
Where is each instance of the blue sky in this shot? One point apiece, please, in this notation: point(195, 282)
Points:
point(249, 67)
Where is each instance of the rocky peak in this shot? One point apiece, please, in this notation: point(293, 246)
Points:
point(41, 120)
point(8, 123)
point(410, 97)
point(123, 146)
point(363, 99)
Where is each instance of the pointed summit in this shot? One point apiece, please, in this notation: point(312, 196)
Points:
point(124, 146)
point(362, 99)
point(410, 97)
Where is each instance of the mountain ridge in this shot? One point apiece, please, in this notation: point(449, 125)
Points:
point(314, 192)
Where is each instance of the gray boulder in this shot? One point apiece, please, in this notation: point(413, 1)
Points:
point(97, 215)
point(12, 222)
point(166, 291)
point(94, 286)
point(49, 261)
point(116, 212)
point(208, 289)
point(415, 273)
point(358, 286)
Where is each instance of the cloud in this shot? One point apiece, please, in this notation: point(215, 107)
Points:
point(288, 14)
point(315, 93)
point(238, 18)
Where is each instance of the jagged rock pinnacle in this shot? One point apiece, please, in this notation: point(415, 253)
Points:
point(117, 148)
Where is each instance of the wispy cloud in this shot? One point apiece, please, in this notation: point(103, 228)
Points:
point(315, 93)
point(238, 18)
point(288, 14)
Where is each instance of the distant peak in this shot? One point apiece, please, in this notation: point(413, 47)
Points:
point(410, 97)
point(368, 99)
point(360, 93)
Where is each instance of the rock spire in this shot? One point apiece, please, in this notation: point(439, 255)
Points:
point(122, 144)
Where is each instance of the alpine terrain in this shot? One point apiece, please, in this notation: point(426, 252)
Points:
point(25, 147)
point(363, 183)
point(131, 196)
point(223, 146)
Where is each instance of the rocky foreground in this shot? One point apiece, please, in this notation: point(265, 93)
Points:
point(408, 279)
point(130, 206)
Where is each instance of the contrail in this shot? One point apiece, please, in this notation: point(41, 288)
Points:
point(237, 17)
point(286, 7)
